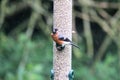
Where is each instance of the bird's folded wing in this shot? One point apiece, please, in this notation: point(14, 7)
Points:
point(61, 37)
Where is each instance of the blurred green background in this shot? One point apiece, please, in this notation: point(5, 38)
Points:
point(26, 45)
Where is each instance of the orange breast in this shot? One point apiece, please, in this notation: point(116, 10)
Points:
point(56, 39)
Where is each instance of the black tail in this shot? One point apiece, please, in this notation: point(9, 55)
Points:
point(75, 45)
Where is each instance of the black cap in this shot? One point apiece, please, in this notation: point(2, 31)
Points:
point(55, 30)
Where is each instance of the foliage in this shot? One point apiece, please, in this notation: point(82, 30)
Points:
point(101, 71)
point(12, 53)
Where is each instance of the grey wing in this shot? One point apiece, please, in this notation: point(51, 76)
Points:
point(61, 37)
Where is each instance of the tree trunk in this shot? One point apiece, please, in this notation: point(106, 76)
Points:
point(63, 22)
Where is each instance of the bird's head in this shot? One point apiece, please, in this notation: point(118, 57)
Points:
point(55, 30)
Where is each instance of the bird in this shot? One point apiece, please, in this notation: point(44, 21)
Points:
point(60, 40)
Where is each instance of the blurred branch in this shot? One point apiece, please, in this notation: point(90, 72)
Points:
point(112, 32)
point(45, 28)
point(34, 17)
point(103, 48)
point(36, 5)
point(39, 11)
point(114, 21)
point(117, 15)
point(119, 54)
point(3, 11)
point(80, 15)
point(88, 34)
point(104, 14)
point(107, 5)
point(31, 24)
point(103, 5)
point(23, 63)
point(75, 38)
point(110, 24)
point(14, 8)
point(104, 25)
point(21, 27)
